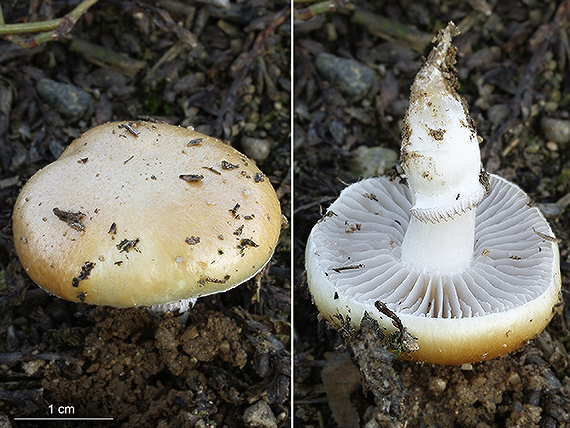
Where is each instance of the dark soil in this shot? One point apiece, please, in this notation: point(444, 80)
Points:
point(224, 71)
point(514, 74)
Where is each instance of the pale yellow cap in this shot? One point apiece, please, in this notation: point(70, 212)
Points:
point(140, 213)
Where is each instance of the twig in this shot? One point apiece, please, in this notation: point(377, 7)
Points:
point(98, 54)
point(177, 49)
point(53, 29)
point(400, 339)
point(164, 21)
point(389, 29)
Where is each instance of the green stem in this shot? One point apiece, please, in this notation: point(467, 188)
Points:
point(387, 28)
point(43, 26)
point(318, 8)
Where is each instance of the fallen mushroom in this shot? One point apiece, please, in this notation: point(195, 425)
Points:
point(460, 256)
point(140, 213)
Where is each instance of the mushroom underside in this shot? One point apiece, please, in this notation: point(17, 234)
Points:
point(504, 297)
point(359, 251)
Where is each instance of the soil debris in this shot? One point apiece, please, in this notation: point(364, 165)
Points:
point(84, 274)
point(73, 219)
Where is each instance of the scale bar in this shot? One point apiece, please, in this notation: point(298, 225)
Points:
point(63, 419)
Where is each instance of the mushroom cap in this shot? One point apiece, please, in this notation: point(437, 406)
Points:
point(140, 213)
point(505, 296)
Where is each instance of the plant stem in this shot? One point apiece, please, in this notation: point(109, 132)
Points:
point(319, 8)
point(388, 28)
point(44, 26)
point(99, 54)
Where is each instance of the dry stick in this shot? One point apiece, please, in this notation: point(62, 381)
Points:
point(164, 21)
point(523, 95)
point(53, 29)
point(389, 29)
point(101, 55)
point(322, 7)
point(224, 122)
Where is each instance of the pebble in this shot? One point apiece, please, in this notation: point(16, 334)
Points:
point(260, 415)
point(557, 130)
point(352, 77)
point(437, 385)
point(71, 101)
point(372, 424)
point(256, 148)
point(372, 161)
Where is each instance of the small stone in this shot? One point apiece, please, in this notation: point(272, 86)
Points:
point(71, 101)
point(371, 424)
point(352, 77)
point(373, 161)
point(256, 148)
point(552, 146)
point(259, 415)
point(437, 385)
point(556, 130)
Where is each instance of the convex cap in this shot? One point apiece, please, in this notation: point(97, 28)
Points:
point(140, 213)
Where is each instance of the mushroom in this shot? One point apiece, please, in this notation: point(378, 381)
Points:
point(141, 213)
point(464, 261)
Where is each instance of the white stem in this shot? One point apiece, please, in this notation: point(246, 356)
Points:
point(445, 246)
point(441, 159)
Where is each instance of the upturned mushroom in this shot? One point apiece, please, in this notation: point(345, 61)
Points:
point(461, 257)
point(140, 213)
